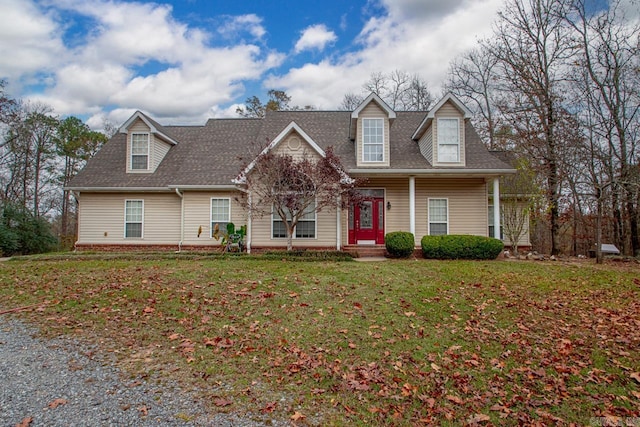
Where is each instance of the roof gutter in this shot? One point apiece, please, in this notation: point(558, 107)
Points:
point(119, 189)
point(427, 172)
point(169, 188)
point(204, 187)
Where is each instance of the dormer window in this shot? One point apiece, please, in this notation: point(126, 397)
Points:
point(448, 140)
point(373, 140)
point(139, 151)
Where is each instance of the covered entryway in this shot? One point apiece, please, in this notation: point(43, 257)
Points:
point(366, 219)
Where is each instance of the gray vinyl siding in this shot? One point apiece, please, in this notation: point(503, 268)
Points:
point(467, 205)
point(326, 232)
point(101, 218)
point(426, 145)
point(158, 149)
point(372, 111)
point(448, 110)
point(197, 215)
point(288, 146)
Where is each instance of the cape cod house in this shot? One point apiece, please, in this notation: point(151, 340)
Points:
point(157, 186)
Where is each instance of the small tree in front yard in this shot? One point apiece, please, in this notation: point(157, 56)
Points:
point(520, 194)
point(293, 189)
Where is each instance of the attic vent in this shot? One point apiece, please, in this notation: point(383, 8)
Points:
point(294, 143)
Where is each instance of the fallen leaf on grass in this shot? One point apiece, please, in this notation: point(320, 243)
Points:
point(57, 402)
point(454, 399)
point(478, 418)
point(635, 376)
point(26, 422)
point(297, 416)
point(269, 407)
point(221, 402)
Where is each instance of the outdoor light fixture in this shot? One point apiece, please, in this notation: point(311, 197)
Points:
point(388, 206)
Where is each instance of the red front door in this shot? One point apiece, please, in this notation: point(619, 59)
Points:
point(366, 222)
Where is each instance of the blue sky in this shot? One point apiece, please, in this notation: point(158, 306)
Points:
point(186, 61)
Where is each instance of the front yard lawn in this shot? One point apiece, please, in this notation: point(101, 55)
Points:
point(326, 343)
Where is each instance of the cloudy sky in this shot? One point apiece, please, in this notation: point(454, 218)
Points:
point(183, 61)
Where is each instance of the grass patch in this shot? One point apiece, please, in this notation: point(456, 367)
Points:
point(399, 342)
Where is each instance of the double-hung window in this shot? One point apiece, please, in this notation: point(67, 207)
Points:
point(133, 218)
point(220, 214)
point(139, 151)
point(448, 141)
point(305, 229)
point(438, 217)
point(373, 140)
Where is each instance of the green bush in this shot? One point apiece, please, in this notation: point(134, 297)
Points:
point(23, 233)
point(399, 244)
point(460, 247)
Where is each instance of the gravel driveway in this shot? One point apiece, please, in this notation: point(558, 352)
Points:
point(55, 383)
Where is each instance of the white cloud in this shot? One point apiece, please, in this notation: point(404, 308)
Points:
point(397, 40)
point(136, 56)
point(250, 23)
point(315, 37)
point(28, 41)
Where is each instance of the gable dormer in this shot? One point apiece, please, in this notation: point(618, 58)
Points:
point(371, 122)
point(147, 143)
point(441, 135)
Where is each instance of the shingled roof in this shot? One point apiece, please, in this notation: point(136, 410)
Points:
point(213, 155)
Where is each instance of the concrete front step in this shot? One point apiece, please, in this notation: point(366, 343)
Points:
point(360, 251)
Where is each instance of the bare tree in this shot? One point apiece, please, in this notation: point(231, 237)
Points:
point(609, 55)
point(75, 143)
point(521, 193)
point(294, 188)
point(399, 89)
point(473, 77)
point(30, 157)
point(278, 101)
point(531, 49)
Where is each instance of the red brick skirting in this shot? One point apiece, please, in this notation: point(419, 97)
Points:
point(115, 247)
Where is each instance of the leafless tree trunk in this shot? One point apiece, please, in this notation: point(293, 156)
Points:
point(531, 48)
point(609, 52)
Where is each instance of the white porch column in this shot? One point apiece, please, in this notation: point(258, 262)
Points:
point(412, 205)
point(249, 214)
point(496, 208)
point(338, 225)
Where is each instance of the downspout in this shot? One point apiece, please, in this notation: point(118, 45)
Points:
point(412, 205)
point(75, 197)
point(249, 215)
point(181, 195)
point(496, 208)
point(338, 226)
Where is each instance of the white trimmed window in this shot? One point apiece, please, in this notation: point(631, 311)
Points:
point(448, 141)
point(305, 229)
point(133, 219)
point(139, 151)
point(438, 217)
point(220, 213)
point(372, 140)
